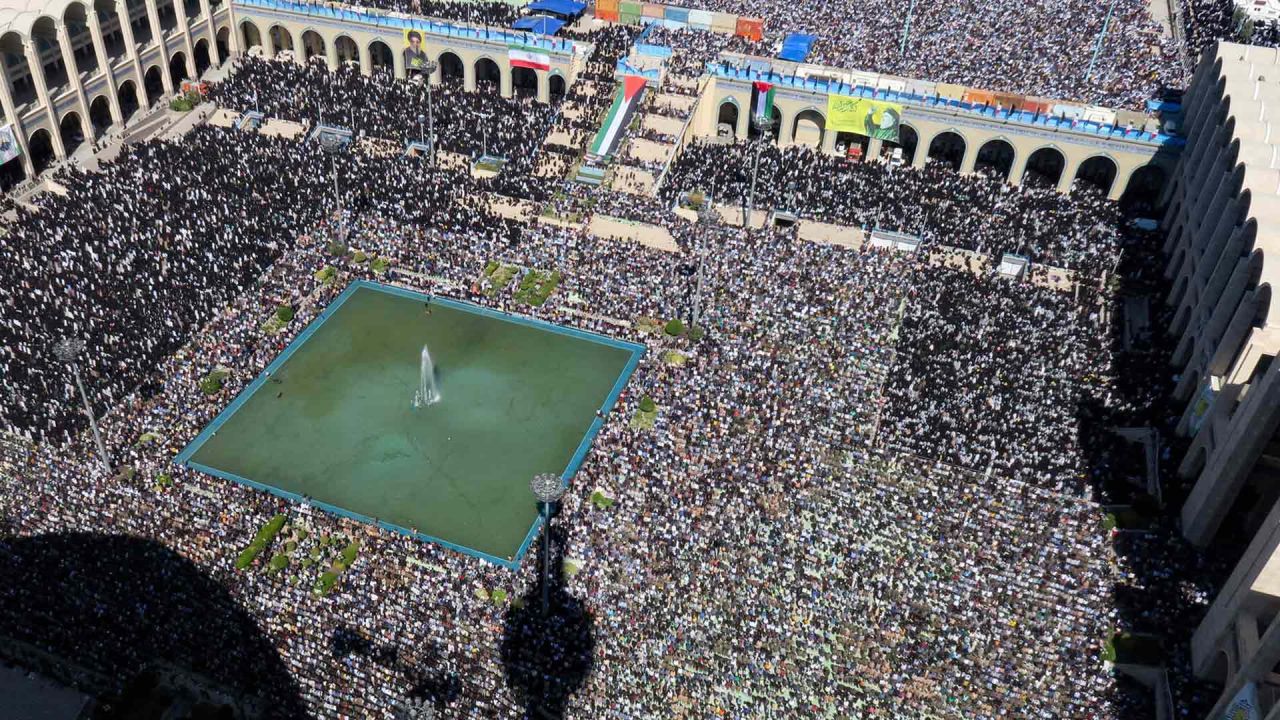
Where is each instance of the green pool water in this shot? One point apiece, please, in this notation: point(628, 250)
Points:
point(335, 420)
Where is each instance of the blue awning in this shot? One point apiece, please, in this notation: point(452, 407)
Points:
point(539, 24)
point(567, 8)
point(796, 47)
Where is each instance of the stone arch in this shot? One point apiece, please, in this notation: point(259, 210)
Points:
point(524, 81)
point(12, 173)
point(753, 130)
point(154, 85)
point(192, 9)
point(908, 140)
point(178, 68)
point(22, 86)
point(77, 21)
point(348, 51)
point(100, 115)
point(1045, 167)
point(1098, 172)
point(112, 34)
point(44, 33)
point(556, 86)
point(127, 97)
point(40, 149)
point(451, 66)
point(201, 53)
point(1146, 185)
point(380, 57)
point(852, 144)
point(809, 127)
point(996, 156)
point(312, 45)
point(167, 16)
point(948, 147)
point(281, 39)
point(251, 35)
point(727, 118)
point(139, 22)
point(71, 130)
point(488, 74)
point(223, 43)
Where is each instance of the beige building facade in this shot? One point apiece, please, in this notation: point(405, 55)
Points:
point(73, 68)
point(375, 40)
point(968, 140)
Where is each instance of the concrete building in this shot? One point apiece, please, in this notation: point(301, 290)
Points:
point(73, 68)
point(1222, 221)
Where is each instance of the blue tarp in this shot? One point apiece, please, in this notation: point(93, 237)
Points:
point(539, 24)
point(796, 47)
point(568, 8)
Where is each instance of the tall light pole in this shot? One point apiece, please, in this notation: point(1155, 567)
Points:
point(764, 126)
point(67, 350)
point(333, 146)
point(703, 227)
point(548, 488)
point(430, 70)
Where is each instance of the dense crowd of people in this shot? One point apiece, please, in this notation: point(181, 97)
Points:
point(977, 212)
point(988, 46)
point(871, 487)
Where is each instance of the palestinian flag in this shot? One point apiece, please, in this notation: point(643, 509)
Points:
point(528, 57)
point(619, 114)
point(764, 99)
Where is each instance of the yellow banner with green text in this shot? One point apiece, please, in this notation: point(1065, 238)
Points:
point(872, 118)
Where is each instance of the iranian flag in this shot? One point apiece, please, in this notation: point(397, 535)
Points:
point(764, 99)
point(528, 57)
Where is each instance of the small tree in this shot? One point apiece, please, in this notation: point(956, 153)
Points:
point(284, 313)
point(647, 405)
point(674, 328)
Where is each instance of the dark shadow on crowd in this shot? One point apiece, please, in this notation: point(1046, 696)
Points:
point(131, 622)
point(548, 658)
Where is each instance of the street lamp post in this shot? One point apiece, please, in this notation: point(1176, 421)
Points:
point(764, 125)
point(422, 121)
point(548, 488)
point(430, 70)
point(67, 350)
point(333, 146)
point(703, 226)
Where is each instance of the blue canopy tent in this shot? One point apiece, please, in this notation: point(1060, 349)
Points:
point(796, 47)
point(539, 24)
point(563, 8)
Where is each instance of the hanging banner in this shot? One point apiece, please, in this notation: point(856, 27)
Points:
point(1245, 704)
point(8, 145)
point(415, 58)
point(872, 118)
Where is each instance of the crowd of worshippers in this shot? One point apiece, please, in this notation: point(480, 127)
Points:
point(862, 581)
point(379, 106)
point(1036, 48)
point(817, 522)
point(138, 240)
point(977, 211)
point(500, 14)
point(1207, 21)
